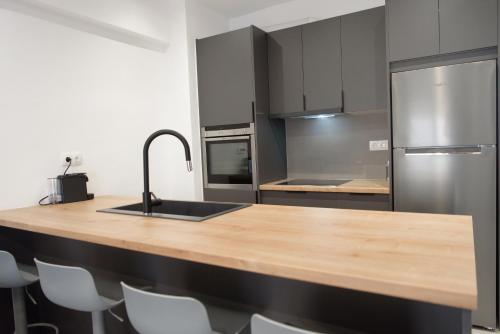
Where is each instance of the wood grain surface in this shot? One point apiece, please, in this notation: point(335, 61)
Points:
point(421, 257)
point(353, 186)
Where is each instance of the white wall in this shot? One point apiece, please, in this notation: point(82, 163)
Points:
point(65, 90)
point(201, 22)
point(298, 12)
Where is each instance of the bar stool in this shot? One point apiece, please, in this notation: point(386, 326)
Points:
point(74, 288)
point(17, 277)
point(262, 325)
point(152, 313)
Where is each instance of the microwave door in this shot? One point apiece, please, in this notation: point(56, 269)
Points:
point(229, 163)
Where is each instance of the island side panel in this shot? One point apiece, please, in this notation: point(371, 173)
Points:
point(299, 303)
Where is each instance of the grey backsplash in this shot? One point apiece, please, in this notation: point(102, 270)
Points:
point(337, 147)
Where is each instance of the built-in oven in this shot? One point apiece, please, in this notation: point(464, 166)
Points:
point(229, 157)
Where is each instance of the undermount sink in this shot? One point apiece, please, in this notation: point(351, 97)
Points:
point(182, 210)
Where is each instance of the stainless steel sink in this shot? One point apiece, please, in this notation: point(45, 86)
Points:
point(182, 210)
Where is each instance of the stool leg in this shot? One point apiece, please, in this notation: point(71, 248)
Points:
point(19, 307)
point(97, 323)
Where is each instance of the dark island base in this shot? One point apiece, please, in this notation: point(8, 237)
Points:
point(316, 307)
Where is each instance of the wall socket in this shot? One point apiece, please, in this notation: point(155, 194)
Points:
point(379, 145)
point(76, 158)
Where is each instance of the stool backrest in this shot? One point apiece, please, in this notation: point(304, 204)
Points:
point(70, 287)
point(10, 277)
point(262, 325)
point(152, 313)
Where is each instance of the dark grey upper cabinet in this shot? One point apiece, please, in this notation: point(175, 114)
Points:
point(413, 28)
point(285, 71)
point(431, 27)
point(364, 60)
point(322, 65)
point(226, 78)
point(467, 24)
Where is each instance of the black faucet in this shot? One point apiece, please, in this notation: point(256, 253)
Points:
point(146, 196)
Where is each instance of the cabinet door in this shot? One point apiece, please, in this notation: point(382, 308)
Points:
point(229, 195)
point(225, 78)
point(413, 28)
point(363, 60)
point(467, 24)
point(285, 71)
point(327, 200)
point(378, 202)
point(322, 65)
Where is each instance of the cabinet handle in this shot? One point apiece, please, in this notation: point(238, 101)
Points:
point(387, 166)
point(253, 111)
point(342, 97)
point(304, 102)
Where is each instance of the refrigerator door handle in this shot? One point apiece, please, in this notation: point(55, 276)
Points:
point(465, 150)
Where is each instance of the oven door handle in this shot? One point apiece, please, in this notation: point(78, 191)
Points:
point(212, 139)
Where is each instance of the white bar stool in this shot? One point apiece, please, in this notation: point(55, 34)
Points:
point(17, 277)
point(263, 325)
point(74, 288)
point(152, 313)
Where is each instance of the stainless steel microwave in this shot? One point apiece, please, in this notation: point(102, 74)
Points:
point(229, 157)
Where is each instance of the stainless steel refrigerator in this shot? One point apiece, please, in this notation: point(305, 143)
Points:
point(445, 157)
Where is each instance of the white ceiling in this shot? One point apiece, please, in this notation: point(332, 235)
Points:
point(234, 8)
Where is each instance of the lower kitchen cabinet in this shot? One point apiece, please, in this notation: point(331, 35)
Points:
point(230, 195)
point(353, 201)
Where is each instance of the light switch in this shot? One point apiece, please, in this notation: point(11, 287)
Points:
point(379, 145)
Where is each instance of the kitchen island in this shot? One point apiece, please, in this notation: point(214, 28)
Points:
point(367, 271)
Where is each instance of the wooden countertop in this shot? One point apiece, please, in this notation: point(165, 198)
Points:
point(354, 186)
point(421, 257)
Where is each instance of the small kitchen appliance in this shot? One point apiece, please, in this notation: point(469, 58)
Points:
point(228, 157)
point(68, 188)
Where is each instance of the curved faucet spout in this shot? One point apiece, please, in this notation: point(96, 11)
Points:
point(146, 196)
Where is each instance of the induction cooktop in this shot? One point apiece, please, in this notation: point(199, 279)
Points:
point(307, 182)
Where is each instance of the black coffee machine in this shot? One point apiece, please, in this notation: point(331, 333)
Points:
point(73, 188)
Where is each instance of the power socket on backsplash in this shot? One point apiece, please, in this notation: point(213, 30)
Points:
point(379, 145)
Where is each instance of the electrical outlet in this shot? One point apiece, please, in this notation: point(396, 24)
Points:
point(379, 145)
point(76, 158)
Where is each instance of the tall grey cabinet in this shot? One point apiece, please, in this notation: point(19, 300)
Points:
point(431, 27)
point(233, 89)
point(226, 77)
point(364, 72)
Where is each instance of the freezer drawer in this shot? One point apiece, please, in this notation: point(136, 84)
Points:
point(451, 105)
point(456, 181)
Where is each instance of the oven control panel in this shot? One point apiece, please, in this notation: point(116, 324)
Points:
point(249, 130)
